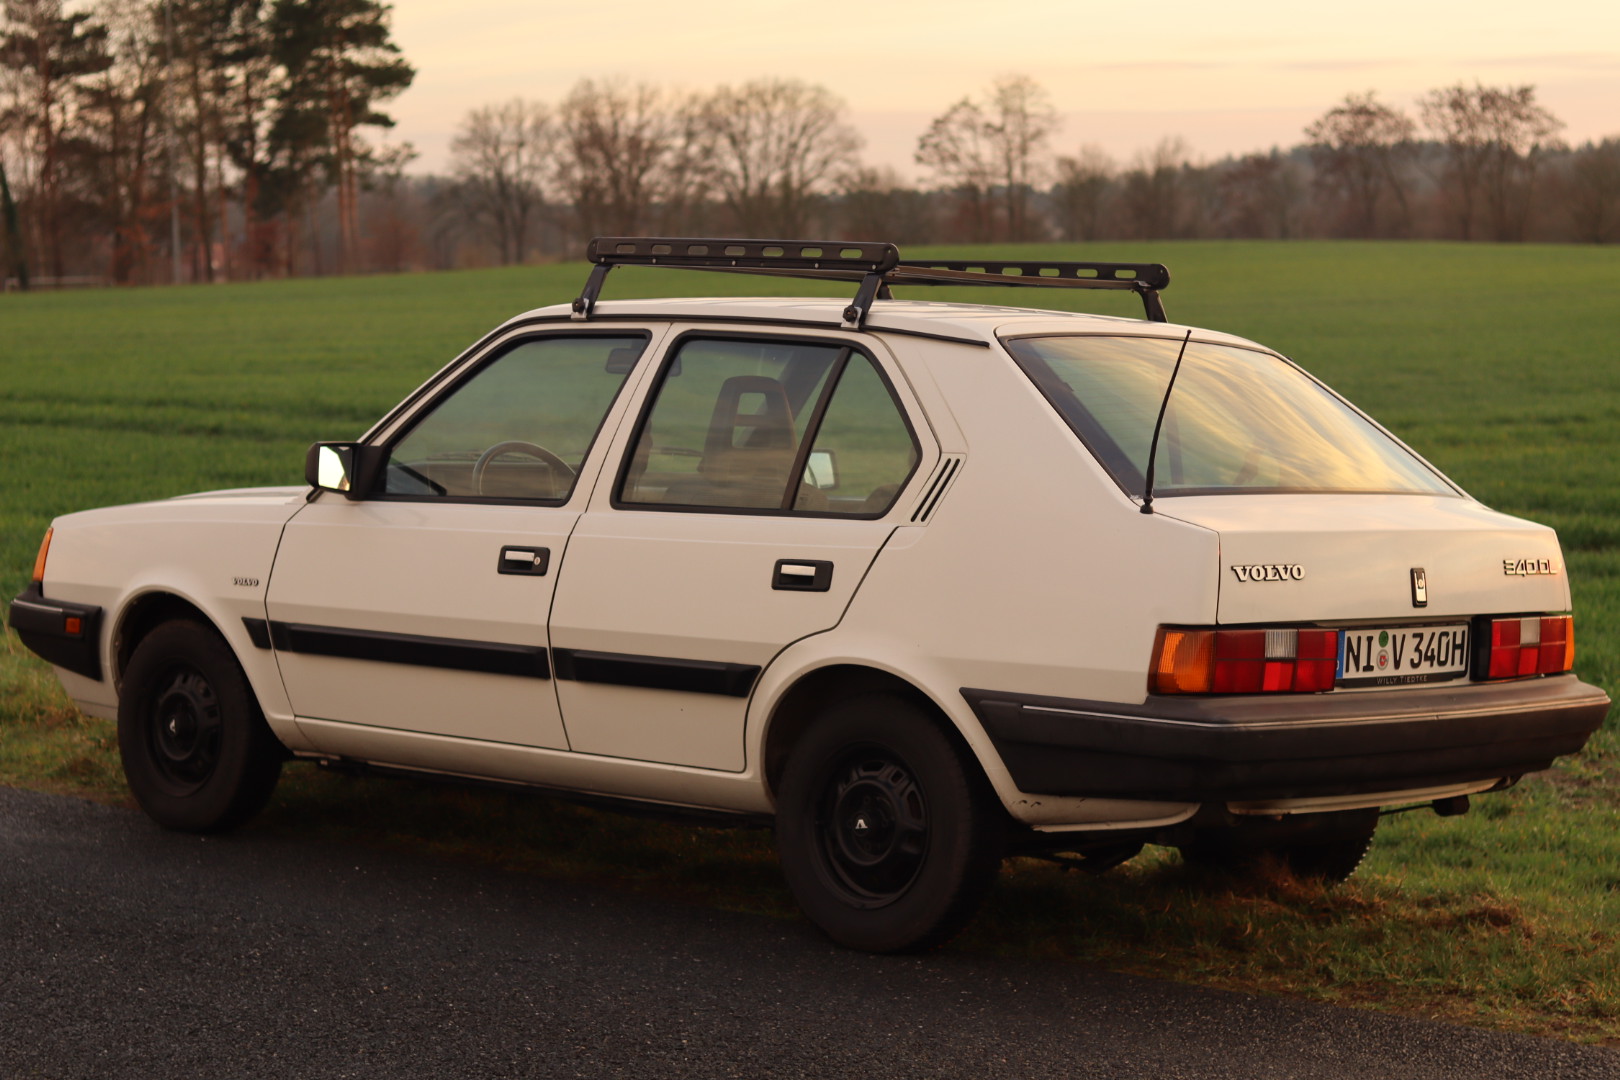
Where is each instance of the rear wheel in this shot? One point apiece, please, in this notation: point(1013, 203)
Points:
point(888, 833)
point(1323, 847)
point(196, 750)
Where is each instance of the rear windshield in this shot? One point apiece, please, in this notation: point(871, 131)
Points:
point(1239, 420)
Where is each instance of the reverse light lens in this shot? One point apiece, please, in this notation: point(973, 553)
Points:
point(1539, 645)
point(1245, 661)
point(39, 560)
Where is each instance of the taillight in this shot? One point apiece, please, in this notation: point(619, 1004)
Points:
point(39, 560)
point(1245, 661)
point(1539, 645)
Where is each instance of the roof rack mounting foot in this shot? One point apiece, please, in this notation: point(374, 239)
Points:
point(1151, 303)
point(586, 301)
point(871, 286)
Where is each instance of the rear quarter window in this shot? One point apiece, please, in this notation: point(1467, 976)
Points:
point(1238, 420)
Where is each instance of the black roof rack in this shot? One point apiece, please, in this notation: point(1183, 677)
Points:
point(875, 266)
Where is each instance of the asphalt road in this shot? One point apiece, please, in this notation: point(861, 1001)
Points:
point(126, 951)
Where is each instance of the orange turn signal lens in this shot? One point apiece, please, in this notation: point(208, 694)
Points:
point(39, 560)
point(1185, 663)
point(1285, 660)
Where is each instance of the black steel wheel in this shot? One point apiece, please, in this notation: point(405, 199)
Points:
point(196, 750)
point(889, 835)
point(1322, 847)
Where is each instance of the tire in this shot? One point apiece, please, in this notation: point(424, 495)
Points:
point(196, 750)
point(1319, 847)
point(888, 833)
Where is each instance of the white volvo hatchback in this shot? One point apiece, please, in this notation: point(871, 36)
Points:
point(926, 584)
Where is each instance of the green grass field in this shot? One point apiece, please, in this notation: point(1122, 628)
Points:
point(1497, 363)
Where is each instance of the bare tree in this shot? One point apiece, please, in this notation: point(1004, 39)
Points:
point(499, 156)
point(774, 145)
point(1451, 117)
point(1361, 149)
point(1495, 138)
point(1021, 121)
point(998, 144)
point(957, 147)
point(1080, 197)
point(624, 155)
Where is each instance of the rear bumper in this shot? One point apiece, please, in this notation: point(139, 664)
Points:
point(68, 635)
point(1288, 746)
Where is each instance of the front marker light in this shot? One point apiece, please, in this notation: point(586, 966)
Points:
point(1283, 660)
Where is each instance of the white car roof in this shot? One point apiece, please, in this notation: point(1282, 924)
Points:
point(974, 322)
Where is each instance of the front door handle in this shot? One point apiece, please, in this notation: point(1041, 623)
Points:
point(802, 575)
point(530, 561)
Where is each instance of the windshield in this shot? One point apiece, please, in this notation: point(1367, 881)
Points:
point(1239, 420)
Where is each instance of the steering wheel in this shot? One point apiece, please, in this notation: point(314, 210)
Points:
point(517, 446)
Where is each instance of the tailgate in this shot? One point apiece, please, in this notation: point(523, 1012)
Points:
point(1323, 557)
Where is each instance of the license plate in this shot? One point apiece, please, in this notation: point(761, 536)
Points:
point(1403, 656)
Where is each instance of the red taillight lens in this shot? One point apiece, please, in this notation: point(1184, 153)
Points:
point(1245, 661)
point(1539, 645)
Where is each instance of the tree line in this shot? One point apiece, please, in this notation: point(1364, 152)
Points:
point(199, 140)
point(1479, 163)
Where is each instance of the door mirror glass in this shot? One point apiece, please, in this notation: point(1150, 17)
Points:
point(622, 361)
point(821, 470)
point(330, 466)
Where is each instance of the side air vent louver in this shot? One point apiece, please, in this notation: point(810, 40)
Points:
point(948, 467)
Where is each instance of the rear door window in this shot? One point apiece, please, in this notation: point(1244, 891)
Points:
point(786, 426)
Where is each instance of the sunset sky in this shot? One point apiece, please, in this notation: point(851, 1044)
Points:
point(1226, 77)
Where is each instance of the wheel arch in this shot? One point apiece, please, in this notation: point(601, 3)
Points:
point(797, 708)
point(144, 614)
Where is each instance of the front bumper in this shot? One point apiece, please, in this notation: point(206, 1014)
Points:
point(1197, 749)
point(66, 634)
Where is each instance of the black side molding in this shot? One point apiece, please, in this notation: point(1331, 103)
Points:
point(533, 661)
point(656, 672)
point(66, 634)
point(496, 658)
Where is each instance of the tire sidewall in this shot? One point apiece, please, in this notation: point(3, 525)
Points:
point(247, 762)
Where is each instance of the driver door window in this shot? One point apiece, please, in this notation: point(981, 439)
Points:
point(520, 427)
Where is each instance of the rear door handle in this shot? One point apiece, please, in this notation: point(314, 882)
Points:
point(530, 561)
point(802, 575)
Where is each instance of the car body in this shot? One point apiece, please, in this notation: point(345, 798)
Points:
point(923, 582)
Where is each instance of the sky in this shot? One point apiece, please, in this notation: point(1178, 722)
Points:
point(1226, 77)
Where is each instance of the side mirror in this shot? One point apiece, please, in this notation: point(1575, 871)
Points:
point(821, 470)
point(348, 468)
point(622, 361)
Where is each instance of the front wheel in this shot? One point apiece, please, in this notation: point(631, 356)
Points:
point(889, 835)
point(196, 750)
